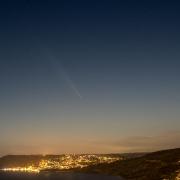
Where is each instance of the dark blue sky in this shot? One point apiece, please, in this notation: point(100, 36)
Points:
point(89, 76)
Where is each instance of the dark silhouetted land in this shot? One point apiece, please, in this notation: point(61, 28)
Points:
point(153, 166)
point(160, 165)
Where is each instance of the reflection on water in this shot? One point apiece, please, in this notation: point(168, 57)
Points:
point(58, 176)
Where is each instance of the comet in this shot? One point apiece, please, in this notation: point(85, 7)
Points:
point(57, 65)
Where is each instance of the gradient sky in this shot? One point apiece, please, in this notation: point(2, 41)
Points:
point(89, 76)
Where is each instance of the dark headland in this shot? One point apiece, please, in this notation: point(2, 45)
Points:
point(160, 165)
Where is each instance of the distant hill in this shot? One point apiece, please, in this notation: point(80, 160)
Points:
point(11, 161)
point(153, 166)
point(61, 162)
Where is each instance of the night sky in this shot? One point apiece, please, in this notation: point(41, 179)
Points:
point(89, 76)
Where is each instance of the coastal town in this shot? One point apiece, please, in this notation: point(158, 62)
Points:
point(64, 162)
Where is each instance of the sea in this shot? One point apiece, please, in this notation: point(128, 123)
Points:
point(55, 176)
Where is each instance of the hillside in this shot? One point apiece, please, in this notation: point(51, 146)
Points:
point(153, 166)
point(61, 162)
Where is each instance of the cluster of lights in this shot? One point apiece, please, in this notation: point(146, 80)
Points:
point(65, 162)
point(75, 161)
point(30, 169)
